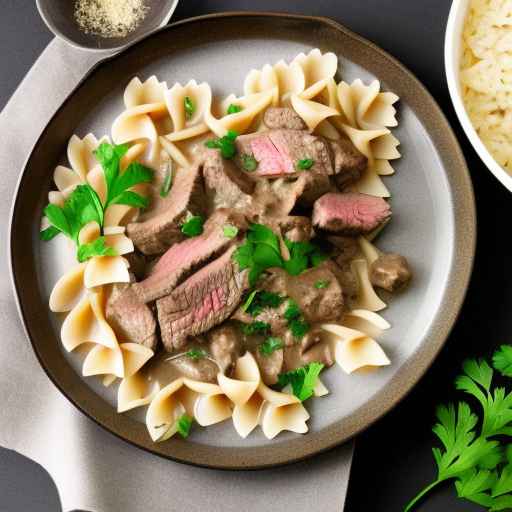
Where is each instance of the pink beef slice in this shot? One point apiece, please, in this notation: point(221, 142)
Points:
point(204, 300)
point(350, 213)
point(131, 319)
point(159, 227)
point(226, 186)
point(186, 257)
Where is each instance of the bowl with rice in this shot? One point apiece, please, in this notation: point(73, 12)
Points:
point(478, 62)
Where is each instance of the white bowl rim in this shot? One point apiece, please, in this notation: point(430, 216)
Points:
point(452, 38)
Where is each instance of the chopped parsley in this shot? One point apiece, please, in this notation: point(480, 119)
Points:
point(234, 109)
point(96, 248)
point(305, 164)
point(502, 360)
point(320, 284)
point(84, 205)
point(303, 255)
point(230, 231)
point(293, 315)
point(256, 327)
point(196, 353)
point(258, 300)
point(190, 108)
point(193, 226)
point(184, 423)
point(226, 144)
point(302, 380)
point(249, 163)
point(166, 184)
point(270, 345)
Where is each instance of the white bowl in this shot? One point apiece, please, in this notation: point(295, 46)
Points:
point(452, 55)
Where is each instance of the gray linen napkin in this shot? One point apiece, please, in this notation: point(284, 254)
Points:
point(92, 469)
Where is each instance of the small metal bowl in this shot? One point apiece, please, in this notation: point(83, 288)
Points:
point(60, 19)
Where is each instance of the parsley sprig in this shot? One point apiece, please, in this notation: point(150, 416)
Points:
point(193, 226)
point(84, 205)
point(302, 380)
point(270, 345)
point(293, 315)
point(226, 144)
point(258, 300)
point(480, 465)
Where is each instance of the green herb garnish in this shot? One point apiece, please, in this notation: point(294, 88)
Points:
point(481, 467)
point(196, 353)
point(270, 345)
point(96, 248)
point(298, 326)
point(305, 164)
point(234, 109)
point(302, 380)
point(256, 327)
point(190, 108)
point(249, 163)
point(166, 184)
point(193, 226)
point(320, 284)
point(502, 360)
point(303, 255)
point(184, 424)
point(258, 300)
point(226, 144)
point(230, 231)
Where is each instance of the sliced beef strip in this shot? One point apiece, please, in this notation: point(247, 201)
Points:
point(226, 186)
point(276, 118)
point(184, 258)
point(204, 300)
point(349, 162)
point(225, 346)
point(159, 227)
point(297, 228)
point(317, 304)
point(350, 213)
point(390, 271)
point(270, 365)
point(131, 319)
point(313, 347)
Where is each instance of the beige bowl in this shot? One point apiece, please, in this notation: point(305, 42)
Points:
point(452, 55)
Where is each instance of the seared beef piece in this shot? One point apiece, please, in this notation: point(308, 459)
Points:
point(350, 213)
point(312, 347)
point(131, 319)
point(225, 346)
point(283, 118)
point(347, 280)
point(346, 248)
point(390, 271)
point(270, 366)
point(184, 258)
point(317, 304)
point(159, 227)
point(138, 264)
point(226, 185)
point(297, 228)
point(202, 369)
point(349, 162)
point(204, 300)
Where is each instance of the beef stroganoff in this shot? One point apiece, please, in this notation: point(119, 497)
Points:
point(225, 247)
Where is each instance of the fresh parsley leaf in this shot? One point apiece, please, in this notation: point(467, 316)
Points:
point(196, 353)
point(302, 380)
point(249, 163)
point(303, 255)
point(96, 248)
point(320, 284)
point(292, 310)
point(130, 198)
point(226, 144)
point(248, 301)
point(502, 360)
point(193, 226)
point(57, 218)
point(261, 300)
point(233, 109)
point(190, 108)
point(48, 233)
point(266, 257)
point(270, 345)
point(305, 164)
point(256, 327)
point(473, 484)
point(298, 326)
point(230, 231)
point(109, 156)
point(166, 184)
point(260, 234)
point(184, 425)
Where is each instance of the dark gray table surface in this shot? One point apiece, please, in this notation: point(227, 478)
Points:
point(393, 457)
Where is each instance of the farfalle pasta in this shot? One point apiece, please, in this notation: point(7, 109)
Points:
point(237, 315)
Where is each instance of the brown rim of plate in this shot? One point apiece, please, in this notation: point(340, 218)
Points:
point(35, 317)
